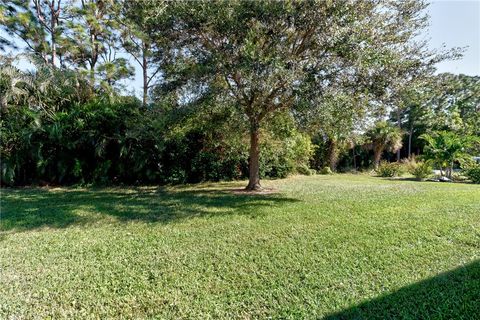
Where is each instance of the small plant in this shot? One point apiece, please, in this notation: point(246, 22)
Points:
point(420, 170)
point(459, 177)
point(473, 173)
point(410, 163)
point(326, 170)
point(305, 170)
point(389, 169)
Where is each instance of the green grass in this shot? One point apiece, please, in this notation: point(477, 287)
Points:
point(341, 246)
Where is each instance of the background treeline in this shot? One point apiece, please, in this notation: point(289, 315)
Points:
point(108, 139)
point(56, 130)
point(67, 116)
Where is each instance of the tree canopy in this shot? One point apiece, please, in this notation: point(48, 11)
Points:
point(233, 88)
point(270, 56)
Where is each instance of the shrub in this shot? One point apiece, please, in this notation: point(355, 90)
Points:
point(410, 163)
point(420, 170)
point(304, 169)
point(459, 177)
point(326, 170)
point(389, 169)
point(445, 148)
point(473, 173)
point(102, 142)
point(281, 157)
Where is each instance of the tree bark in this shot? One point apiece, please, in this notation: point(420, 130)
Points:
point(3, 103)
point(92, 76)
point(254, 160)
point(93, 57)
point(377, 155)
point(450, 170)
point(399, 123)
point(333, 154)
point(410, 134)
point(145, 78)
point(354, 159)
point(54, 50)
point(53, 29)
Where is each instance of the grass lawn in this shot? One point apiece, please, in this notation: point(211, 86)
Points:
point(342, 246)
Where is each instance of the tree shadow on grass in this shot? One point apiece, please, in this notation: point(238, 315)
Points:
point(450, 295)
point(27, 209)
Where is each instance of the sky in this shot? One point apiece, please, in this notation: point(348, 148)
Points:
point(456, 23)
point(453, 23)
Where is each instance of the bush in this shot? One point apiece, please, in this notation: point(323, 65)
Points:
point(281, 157)
point(419, 169)
point(305, 170)
point(326, 170)
point(422, 171)
point(459, 177)
point(389, 169)
point(103, 142)
point(473, 173)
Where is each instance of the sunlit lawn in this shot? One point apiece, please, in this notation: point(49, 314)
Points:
point(345, 246)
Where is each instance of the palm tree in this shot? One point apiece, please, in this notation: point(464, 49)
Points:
point(383, 136)
point(14, 83)
point(445, 147)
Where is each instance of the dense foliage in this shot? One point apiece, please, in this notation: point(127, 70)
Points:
point(473, 173)
point(389, 169)
point(104, 142)
point(305, 86)
point(445, 149)
point(420, 170)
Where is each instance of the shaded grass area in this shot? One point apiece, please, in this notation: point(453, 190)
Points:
point(343, 246)
point(60, 208)
point(450, 295)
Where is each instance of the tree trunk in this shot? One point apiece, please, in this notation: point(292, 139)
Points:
point(3, 103)
point(399, 123)
point(354, 159)
point(92, 76)
point(410, 134)
point(54, 50)
point(333, 154)
point(145, 80)
point(93, 57)
point(377, 155)
point(53, 27)
point(254, 161)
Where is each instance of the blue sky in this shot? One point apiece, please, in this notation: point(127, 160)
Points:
point(456, 23)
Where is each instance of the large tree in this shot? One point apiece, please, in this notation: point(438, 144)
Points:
point(133, 24)
point(413, 116)
point(456, 103)
point(335, 123)
point(383, 136)
point(265, 56)
point(38, 24)
point(92, 43)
